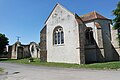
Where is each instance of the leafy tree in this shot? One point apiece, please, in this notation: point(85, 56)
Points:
point(3, 42)
point(116, 20)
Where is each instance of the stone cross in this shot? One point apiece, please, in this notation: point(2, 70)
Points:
point(18, 38)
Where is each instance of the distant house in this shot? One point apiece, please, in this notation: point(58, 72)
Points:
point(70, 38)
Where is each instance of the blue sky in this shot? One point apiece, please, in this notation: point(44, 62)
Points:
point(25, 18)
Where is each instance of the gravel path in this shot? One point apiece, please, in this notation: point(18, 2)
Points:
point(15, 71)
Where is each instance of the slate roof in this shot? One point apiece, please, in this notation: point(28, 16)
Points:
point(91, 16)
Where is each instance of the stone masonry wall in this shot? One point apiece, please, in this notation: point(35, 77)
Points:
point(43, 51)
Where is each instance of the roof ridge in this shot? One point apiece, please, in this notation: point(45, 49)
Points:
point(95, 13)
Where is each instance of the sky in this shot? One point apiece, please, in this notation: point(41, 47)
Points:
point(25, 18)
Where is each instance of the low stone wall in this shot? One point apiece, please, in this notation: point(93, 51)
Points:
point(4, 56)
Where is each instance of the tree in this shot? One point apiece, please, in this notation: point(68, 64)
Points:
point(116, 20)
point(3, 42)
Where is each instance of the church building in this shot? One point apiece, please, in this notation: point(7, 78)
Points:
point(69, 38)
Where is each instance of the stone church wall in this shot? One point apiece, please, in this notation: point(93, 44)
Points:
point(106, 39)
point(43, 50)
point(68, 52)
point(90, 54)
point(95, 52)
point(102, 36)
point(115, 44)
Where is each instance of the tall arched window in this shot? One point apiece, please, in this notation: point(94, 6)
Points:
point(89, 36)
point(58, 36)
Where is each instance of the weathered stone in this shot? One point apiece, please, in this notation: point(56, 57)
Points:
point(34, 50)
point(19, 51)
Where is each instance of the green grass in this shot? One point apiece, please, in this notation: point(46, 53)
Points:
point(1, 70)
point(106, 65)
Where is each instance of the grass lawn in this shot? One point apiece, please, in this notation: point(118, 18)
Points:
point(1, 70)
point(106, 65)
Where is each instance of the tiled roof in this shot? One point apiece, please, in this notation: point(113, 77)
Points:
point(92, 16)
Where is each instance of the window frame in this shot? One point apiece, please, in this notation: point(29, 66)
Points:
point(89, 36)
point(58, 36)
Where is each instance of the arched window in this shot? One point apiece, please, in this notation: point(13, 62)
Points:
point(58, 36)
point(89, 36)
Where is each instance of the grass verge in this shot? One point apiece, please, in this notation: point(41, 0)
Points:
point(106, 65)
point(1, 70)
